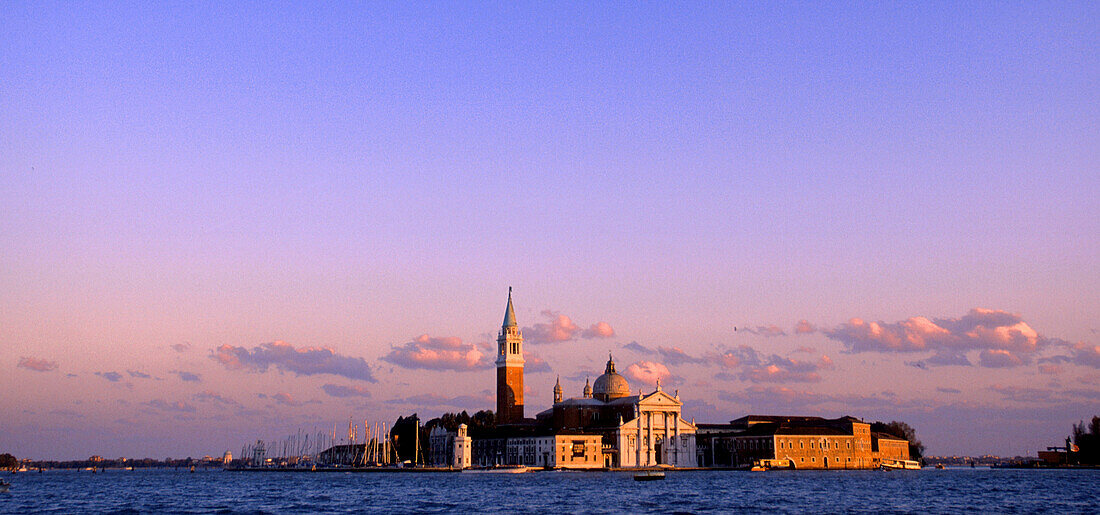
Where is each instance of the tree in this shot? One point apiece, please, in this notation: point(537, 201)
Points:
point(902, 430)
point(7, 461)
point(1087, 439)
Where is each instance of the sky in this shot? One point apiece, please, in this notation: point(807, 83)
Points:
point(221, 221)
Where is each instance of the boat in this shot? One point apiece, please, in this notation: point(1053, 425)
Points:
point(940, 466)
point(650, 475)
point(502, 469)
point(899, 465)
point(4, 486)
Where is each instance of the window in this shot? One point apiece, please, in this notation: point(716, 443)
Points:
point(801, 445)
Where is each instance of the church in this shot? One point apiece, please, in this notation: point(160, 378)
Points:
point(606, 427)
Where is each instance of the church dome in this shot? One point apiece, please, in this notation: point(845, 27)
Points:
point(610, 385)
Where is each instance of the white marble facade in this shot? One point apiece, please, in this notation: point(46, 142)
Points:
point(657, 435)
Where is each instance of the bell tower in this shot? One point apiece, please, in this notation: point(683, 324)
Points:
point(509, 369)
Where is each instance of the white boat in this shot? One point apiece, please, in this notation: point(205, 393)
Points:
point(505, 469)
point(4, 486)
point(899, 465)
point(650, 475)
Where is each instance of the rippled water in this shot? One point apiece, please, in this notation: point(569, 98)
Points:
point(928, 490)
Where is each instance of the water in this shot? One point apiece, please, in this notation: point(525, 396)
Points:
point(924, 491)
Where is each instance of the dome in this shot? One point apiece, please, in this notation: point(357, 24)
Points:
point(610, 385)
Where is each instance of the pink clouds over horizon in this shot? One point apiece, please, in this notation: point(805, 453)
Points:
point(648, 372)
point(37, 365)
point(561, 328)
point(303, 361)
point(1002, 338)
point(437, 353)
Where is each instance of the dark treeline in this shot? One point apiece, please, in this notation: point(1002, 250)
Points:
point(1087, 439)
point(405, 438)
point(901, 430)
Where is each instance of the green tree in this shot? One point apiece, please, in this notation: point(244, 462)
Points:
point(902, 430)
point(7, 461)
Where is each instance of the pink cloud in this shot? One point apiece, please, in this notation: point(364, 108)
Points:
point(447, 353)
point(999, 358)
point(647, 372)
point(980, 329)
point(1086, 354)
point(760, 368)
point(599, 330)
point(37, 365)
point(305, 361)
point(776, 374)
point(804, 327)
point(559, 329)
point(180, 347)
point(285, 399)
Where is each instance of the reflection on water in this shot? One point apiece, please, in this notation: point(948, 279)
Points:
point(928, 490)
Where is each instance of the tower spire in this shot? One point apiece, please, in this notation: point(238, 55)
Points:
point(510, 312)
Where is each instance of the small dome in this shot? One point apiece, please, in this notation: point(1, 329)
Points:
point(610, 385)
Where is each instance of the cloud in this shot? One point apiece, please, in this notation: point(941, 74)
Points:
point(804, 327)
point(286, 399)
point(534, 364)
point(999, 358)
point(1004, 338)
point(335, 390)
point(1050, 369)
point(113, 377)
point(1087, 355)
point(138, 374)
point(1023, 394)
point(447, 353)
point(305, 361)
point(188, 377)
point(648, 372)
point(36, 364)
point(676, 356)
point(760, 368)
point(177, 406)
point(180, 347)
point(210, 396)
point(559, 329)
point(768, 331)
point(637, 347)
point(599, 330)
point(948, 390)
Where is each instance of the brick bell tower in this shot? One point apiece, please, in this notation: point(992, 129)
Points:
point(509, 369)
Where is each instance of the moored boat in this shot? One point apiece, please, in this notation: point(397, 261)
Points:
point(503, 469)
point(899, 465)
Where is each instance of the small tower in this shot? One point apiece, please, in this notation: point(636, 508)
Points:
point(509, 368)
point(587, 389)
point(557, 391)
